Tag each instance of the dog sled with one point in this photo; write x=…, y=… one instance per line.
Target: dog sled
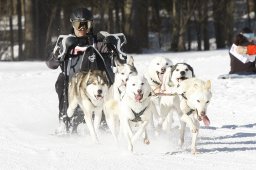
x=91, y=59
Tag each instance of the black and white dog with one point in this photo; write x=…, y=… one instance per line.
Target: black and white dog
x=169, y=103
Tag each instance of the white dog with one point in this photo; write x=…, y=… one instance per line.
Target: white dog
x=88, y=90
x=171, y=102
x=154, y=75
x=122, y=74
x=195, y=95
x=155, y=72
x=134, y=108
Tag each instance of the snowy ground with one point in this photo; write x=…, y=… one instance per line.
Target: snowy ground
x=29, y=116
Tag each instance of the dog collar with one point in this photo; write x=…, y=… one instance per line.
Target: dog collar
x=190, y=112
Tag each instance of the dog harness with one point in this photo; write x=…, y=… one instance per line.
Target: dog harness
x=156, y=82
x=137, y=115
x=191, y=110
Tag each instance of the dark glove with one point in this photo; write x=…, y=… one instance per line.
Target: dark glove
x=64, y=45
x=71, y=42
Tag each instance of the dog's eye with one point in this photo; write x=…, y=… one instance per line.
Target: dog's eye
x=177, y=70
x=142, y=84
x=167, y=64
x=157, y=63
x=130, y=73
x=208, y=101
x=186, y=69
x=198, y=101
x=122, y=73
x=133, y=84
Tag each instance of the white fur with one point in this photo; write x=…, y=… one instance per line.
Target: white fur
x=197, y=96
x=171, y=103
x=154, y=75
x=116, y=91
x=86, y=96
x=122, y=110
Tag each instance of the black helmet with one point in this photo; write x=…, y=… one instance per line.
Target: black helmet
x=81, y=14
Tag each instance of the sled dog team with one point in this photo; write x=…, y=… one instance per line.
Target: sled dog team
x=136, y=102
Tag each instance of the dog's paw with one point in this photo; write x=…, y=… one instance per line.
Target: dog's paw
x=193, y=151
x=181, y=142
x=146, y=141
x=194, y=129
x=130, y=148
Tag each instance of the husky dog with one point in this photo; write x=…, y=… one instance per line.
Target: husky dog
x=195, y=95
x=88, y=90
x=169, y=103
x=122, y=74
x=155, y=73
x=133, y=110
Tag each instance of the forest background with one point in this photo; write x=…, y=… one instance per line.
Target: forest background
x=32, y=26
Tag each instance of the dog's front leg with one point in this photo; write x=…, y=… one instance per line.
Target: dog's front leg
x=140, y=131
x=88, y=120
x=72, y=106
x=194, y=138
x=185, y=109
x=145, y=138
x=127, y=133
x=97, y=119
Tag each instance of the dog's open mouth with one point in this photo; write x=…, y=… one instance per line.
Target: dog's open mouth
x=98, y=96
x=181, y=79
x=205, y=120
x=160, y=75
x=138, y=97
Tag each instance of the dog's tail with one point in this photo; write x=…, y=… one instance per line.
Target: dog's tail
x=111, y=107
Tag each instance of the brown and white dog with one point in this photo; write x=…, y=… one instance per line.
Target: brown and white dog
x=88, y=90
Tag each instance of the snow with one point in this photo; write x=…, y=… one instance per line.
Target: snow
x=29, y=117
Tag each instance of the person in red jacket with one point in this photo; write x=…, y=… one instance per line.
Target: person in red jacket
x=242, y=53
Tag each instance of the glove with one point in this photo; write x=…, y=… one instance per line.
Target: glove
x=64, y=44
x=71, y=42
x=251, y=49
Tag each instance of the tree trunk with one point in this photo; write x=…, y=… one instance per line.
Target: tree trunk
x=20, y=32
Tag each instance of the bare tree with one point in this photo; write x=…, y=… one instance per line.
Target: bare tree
x=182, y=10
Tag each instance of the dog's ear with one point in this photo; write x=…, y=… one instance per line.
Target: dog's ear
x=130, y=60
x=191, y=68
x=208, y=84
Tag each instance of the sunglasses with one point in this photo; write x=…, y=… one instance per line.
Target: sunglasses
x=80, y=25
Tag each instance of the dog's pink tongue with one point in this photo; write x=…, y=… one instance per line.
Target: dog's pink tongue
x=138, y=97
x=205, y=120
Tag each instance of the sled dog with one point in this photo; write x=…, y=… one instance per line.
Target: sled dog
x=133, y=110
x=122, y=74
x=155, y=72
x=88, y=90
x=157, y=68
x=195, y=94
x=170, y=103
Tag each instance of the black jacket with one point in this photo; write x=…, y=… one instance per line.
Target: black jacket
x=99, y=58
